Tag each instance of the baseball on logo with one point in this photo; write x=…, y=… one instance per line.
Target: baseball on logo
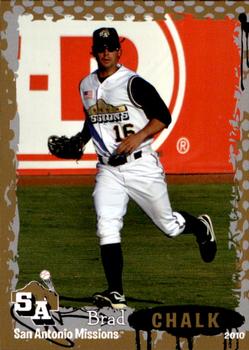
x=45, y=275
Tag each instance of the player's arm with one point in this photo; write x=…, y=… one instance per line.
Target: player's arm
x=145, y=96
x=85, y=134
x=132, y=142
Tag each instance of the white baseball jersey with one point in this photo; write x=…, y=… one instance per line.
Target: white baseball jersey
x=110, y=108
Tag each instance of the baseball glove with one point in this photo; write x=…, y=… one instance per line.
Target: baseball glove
x=65, y=147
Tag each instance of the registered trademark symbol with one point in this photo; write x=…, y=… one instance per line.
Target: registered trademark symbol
x=183, y=145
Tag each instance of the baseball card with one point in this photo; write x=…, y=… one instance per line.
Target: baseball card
x=124, y=175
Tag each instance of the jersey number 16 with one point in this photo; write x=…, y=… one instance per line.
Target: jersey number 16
x=122, y=131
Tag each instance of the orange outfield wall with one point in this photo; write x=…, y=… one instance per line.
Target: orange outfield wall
x=212, y=60
x=201, y=139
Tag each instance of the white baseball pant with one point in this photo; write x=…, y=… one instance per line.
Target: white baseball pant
x=142, y=180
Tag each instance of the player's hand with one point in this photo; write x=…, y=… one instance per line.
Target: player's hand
x=130, y=143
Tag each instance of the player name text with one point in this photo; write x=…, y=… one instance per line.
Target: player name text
x=95, y=319
x=185, y=320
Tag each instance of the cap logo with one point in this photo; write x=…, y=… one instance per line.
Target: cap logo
x=104, y=33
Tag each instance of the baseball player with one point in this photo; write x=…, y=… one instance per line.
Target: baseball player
x=123, y=113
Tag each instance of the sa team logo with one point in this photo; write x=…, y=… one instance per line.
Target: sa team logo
x=55, y=56
x=36, y=303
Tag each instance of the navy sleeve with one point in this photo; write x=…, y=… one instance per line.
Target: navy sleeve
x=85, y=132
x=145, y=96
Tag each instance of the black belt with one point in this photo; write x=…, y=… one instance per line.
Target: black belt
x=119, y=159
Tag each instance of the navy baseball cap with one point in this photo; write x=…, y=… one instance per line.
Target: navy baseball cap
x=105, y=38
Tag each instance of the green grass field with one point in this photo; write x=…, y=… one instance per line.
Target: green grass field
x=57, y=232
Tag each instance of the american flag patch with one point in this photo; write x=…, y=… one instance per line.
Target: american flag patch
x=88, y=94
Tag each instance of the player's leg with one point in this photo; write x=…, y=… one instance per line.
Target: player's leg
x=152, y=196
x=202, y=228
x=146, y=185
x=110, y=200
x=150, y=192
